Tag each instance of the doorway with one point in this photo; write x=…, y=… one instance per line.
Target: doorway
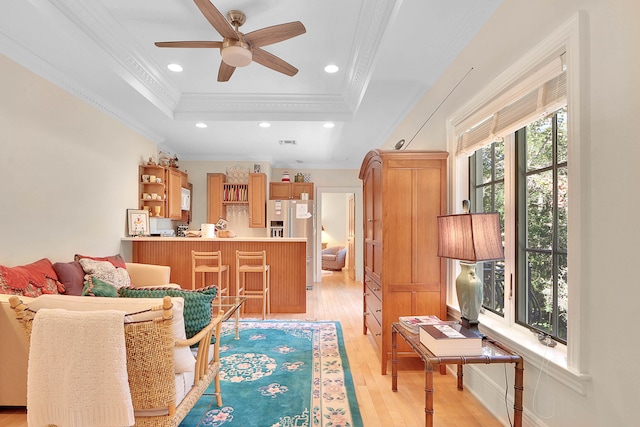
x=339, y=210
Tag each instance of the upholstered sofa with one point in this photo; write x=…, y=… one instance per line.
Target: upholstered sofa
x=180, y=374
x=15, y=348
x=333, y=258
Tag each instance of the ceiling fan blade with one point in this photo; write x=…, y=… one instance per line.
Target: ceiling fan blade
x=202, y=44
x=225, y=72
x=269, y=60
x=274, y=34
x=216, y=19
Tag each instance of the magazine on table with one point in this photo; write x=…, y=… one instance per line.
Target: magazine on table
x=413, y=323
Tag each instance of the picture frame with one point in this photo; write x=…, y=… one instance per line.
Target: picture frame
x=138, y=222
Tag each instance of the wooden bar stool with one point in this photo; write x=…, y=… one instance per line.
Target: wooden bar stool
x=212, y=264
x=253, y=262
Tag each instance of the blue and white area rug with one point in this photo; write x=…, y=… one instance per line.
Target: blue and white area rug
x=281, y=374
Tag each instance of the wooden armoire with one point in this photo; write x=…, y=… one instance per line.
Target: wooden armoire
x=404, y=192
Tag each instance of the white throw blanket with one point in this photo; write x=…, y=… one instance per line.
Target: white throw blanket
x=77, y=373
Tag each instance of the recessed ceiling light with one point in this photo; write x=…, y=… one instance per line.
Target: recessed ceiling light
x=201, y=125
x=328, y=125
x=175, y=67
x=265, y=124
x=331, y=68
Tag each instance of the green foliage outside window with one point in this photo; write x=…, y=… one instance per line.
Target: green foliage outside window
x=542, y=237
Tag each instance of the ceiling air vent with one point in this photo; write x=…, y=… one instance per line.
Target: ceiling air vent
x=287, y=142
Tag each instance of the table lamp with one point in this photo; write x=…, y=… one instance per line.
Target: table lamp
x=470, y=238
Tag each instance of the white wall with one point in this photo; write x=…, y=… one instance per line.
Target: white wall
x=609, y=177
x=68, y=172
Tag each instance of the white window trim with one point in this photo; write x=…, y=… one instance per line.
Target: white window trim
x=566, y=363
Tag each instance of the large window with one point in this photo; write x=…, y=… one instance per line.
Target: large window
x=542, y=225
x=540, y=177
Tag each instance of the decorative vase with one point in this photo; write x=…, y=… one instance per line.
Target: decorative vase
x=286, y=177
x=469, y=292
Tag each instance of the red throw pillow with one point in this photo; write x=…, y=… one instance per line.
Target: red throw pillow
x=116, y=260
x=30, y=280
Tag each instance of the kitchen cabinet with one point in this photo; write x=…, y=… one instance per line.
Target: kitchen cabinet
x=153, y=196
x=174, y=194
x=404, y=192
x=289, y=190
x=220, y=194
x=257, y=200
x=215, y=208
x=160, y=190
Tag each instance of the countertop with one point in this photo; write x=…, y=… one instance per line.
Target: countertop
x=222, y=239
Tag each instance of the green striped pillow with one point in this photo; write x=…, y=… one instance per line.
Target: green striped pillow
x=197, y=304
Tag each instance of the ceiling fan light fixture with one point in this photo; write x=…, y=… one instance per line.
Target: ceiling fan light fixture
x=236, y=53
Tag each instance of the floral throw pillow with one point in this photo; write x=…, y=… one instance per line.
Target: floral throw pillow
x=116, y=259
x=106, y=272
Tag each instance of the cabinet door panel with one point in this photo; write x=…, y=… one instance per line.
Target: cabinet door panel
x=428, y=270
x=257, y=200
x=377, y=268
x=302, y=187
x=376, y=175
x=279, y=191
x=368, y=256
x=174, y=192
x=368, y=207
x=400, y=239
x=215, y=208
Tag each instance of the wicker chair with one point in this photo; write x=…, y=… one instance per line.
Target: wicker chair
x=150, y=364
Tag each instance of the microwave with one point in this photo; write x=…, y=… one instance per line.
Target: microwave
x=185, y=199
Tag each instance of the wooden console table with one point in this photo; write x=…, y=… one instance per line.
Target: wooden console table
x=492, y=352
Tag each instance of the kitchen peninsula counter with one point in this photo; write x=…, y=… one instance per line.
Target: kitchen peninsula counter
x=285, y=256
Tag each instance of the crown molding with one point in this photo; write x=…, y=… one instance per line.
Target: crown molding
x=45, y=70
x=127, y=59
x=377, y=15
x=195, y=106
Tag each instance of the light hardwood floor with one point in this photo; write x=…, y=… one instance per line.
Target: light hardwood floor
x=338, y=298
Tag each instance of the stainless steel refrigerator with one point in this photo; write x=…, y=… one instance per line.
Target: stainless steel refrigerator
x=295, y=218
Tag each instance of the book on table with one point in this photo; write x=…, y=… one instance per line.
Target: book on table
x=450, y=340
x=413, y=323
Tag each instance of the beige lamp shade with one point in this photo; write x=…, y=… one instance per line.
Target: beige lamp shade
x=470, y=237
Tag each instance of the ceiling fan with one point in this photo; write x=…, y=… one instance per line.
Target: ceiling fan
x=238, y=49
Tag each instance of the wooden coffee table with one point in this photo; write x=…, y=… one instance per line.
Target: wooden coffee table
x=492, y=352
